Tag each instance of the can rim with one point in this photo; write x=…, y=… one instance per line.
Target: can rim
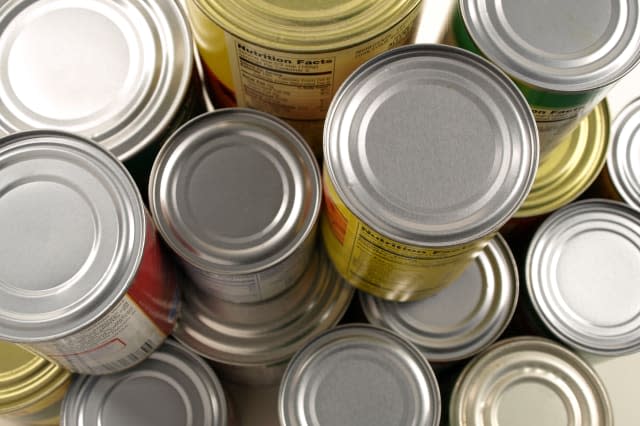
x=623, y=170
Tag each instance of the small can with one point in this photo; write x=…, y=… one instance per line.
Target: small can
x=529, y=378
x=84, y=281
x=236, y=194
x=31, y=388
x=563, y=56
x=359, y=375
x=413, y=191
x=582, y=271
x=172, y=387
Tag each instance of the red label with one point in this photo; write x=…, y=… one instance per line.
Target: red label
x=337, y=221
x=221, y=95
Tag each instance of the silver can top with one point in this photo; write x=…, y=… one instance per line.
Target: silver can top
x=464, y=317
x=582, y=272
x=567, y=45
x=623, y=160
x=431, y=145
x=172, y=387
x=235, y=191
x=359, y=375
x=113, y=71
x=529, y=382
x=73, y=231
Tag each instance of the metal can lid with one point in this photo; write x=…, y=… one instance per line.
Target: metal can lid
x=528, y=381
x=359, y=375
x=566, y=46
x=114, y=72
x=235, y=191
x=464, y=317
x=624, y=154
x=171, y=387
x=431, y=145
x=71, y=209
x=582, y=272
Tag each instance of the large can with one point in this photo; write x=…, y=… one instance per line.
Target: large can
x=289, y=57
x=564, y=56
x=83, y=279
x=429, y=149
x=236, y=194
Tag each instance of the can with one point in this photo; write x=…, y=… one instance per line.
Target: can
x=31, y=388
x=359, y=375
x=412, y=192
x=84, y=279
x=252, y=343
x=172, y=387
x=529, y=378
x=564, y=57
x=289, y=58
x=236, y=195
x=582, y=270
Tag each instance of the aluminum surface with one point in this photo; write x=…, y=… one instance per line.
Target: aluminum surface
x=624, y=154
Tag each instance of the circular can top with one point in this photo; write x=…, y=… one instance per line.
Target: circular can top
x=171, y=387
x=113, y=71
x=73, y=231
x=528, y=381
x=559, y=45
x=624, y=154
x=235, y=191
x=464, y=317
x=431, y=145
x=582, y=272
x=359, y=375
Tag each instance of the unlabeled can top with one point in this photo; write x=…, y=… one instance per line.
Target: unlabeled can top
x=113, y=71
x=624, y=154
x=235, y=191
x=529, y=382
x=431, y=145
x=172, y=387
x=464, y=317
x=73, y=231
x=582, y=274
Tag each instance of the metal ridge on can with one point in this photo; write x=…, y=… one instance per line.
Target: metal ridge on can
x=624, y=152
x=582, y=270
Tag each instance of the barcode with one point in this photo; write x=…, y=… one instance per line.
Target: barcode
x=131, y=359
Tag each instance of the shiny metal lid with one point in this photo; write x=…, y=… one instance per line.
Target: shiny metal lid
x=235, y=191
x=359, y=375
x=113, y=71
x=464, y=317
x=431, y=145
x=171, y=387
x=582, y=272
x=528, y=381
x=624, y=154
x=73, y=229
x=566, y=46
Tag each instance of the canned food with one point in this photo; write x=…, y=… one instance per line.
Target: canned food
x=172, y=387
x=252, y=343
x=289, y=57
x=83, y=280
x=564, y=56
x=359, y=375
x=461, y=319
x=413, y=191
x=582, y=272
x=236, y=194
x=31, y=388
x=527, y=380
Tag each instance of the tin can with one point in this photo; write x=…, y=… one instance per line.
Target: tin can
x=563, y=56
x=359, y=375
x=289, y=57
x=412, y=191
x=236, y=194
x=529, y=378
x=84, y=280
x=252, y=343
x=582, y=271
x=31, y=388
x=172, y=387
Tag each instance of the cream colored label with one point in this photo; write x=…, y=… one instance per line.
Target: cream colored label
x=554, y=124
